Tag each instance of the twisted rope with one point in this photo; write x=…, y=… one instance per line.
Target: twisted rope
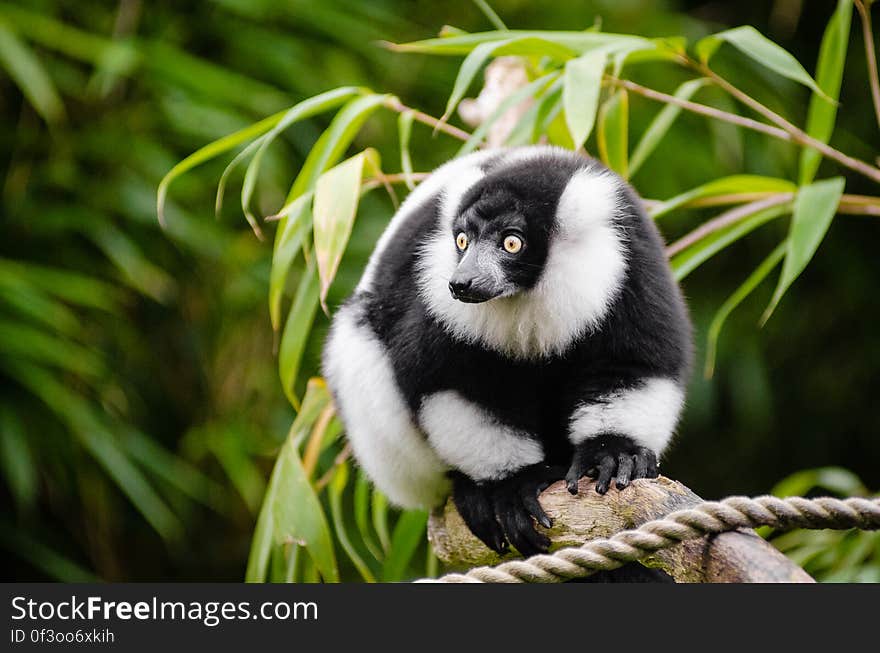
x=708, y=518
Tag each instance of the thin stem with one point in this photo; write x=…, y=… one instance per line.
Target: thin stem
x=396, y=105
x=725, y=220
x=796, y=134
x=702, y=109
x=494, y=18
x=849, y=205
x=870, y=55
x=341, y=457
x=400, y=178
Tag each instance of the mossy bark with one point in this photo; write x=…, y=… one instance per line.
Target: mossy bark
x=736, y=557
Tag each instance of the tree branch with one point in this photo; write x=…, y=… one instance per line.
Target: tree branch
x=870, y=55
x=395, y=104
x=726, y=219
x=737, y=556
x=789, y=133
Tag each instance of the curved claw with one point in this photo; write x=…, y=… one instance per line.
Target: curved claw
x=610, y=458
x=475, y=507
x=502, y=512
x=518, y=526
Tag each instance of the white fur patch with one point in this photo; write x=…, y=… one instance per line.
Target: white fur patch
x=648, y=414
x=471, y=440
x=386, y=442
x=583, y=273
x=452, y=179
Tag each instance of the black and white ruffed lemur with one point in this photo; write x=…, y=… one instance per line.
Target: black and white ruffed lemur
x=517, y=319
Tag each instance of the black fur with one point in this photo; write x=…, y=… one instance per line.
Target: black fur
x=646, y=333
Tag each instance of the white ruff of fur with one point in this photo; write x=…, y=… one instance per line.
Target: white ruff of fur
x=472, y=441
x=467, y=167
x=378, y=423
x=584, y=271
x=647, y=414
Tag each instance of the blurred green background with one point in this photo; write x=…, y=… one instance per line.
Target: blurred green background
x=141, y=409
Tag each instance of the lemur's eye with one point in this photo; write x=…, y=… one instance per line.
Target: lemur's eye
x=461, y=241
x=512, y=244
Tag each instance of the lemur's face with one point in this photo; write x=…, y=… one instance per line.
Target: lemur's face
x=502, y=247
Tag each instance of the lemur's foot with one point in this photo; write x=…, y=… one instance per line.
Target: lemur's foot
x=610, y=457
x=501, y=512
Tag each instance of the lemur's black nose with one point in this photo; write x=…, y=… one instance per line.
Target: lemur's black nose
x=458, y=287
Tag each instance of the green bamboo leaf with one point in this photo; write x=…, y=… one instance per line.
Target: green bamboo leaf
x=404, y=131
x=334, y=141
x=136, y=269
x=725, y=186
x=838, y=480
x=297, y=329
x=748, y=286
x=814, y=208
x=580, y=94
x=409, y=532
x=97, y=439
x=690, y=259
x=380, y=519
x=67, y=285
x=301, y=111
x=661, y=123
x=297, y=515
x=337, y=194
x=37, y=306
x=550, y=120
x=758, y=47
x=173, y=470
x=230, y=450
x=829, y=75
x=210, y=151
x=30, y=76
x=264, y=535
x=38, y=346
x=529, y=127
x=471, y=65
x=314, y=402
x=613, y=132
x=577, y=42
x=335, y=489
x=246, y=152
x=289, y=240
x=362, y=515
x=50, y=562
x=17, y=459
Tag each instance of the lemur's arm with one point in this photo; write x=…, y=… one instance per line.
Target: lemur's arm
x=497, y=471
x=621, y=433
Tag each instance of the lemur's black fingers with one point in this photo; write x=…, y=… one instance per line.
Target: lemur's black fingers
x=577, y=471
x=624, y=470
x=488, y=531
x=529, y=496
x=640, y=469
x=517, y=524
x=607, y=465
x=475, y=508
x=521, y=532
x=653, y=470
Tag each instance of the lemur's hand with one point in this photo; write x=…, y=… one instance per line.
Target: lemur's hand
x=610, y=457
x=499, y=512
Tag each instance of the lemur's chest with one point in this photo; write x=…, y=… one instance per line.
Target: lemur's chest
x=526, y=395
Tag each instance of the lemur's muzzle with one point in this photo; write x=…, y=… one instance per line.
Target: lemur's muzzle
x=470, y=284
